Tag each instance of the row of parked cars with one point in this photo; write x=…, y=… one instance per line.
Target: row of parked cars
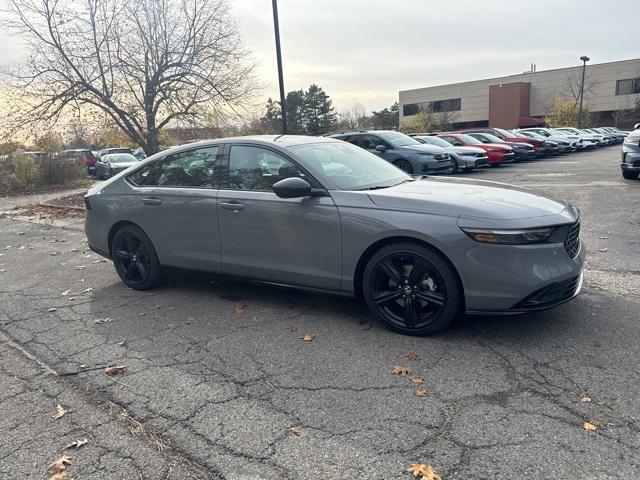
x=468, y=149
x=107, y=162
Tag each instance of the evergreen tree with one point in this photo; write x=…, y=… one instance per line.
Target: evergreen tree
x=319, y=115
x=295, y=104
x=387, y=118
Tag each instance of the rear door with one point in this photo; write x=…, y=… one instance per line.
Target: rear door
x=293, y=241
x=174, y=202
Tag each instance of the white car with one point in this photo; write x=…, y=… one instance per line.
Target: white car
x=588, y=139
x=575, y=142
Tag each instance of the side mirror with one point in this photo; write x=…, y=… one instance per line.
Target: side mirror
x=380, y=148
x=636, y=126
x=292, y=187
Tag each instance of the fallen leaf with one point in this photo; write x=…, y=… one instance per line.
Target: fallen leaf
x=603, y=238
x=308, y=337
x=66, y=292
x=297, y=431
x=115, y=370
x=122, y=342
x=240, y=307
x=400, y=370
x=604, y=250
x=426, y=472
x=422, y=392
x=2, y=271
x=87, y=290
x=76, y=444
x=413, y=356
x=60, y=412
x=418, y=380
x=292, y=328
x=60, y=465
x=589, y=426
x=52, y=309
x=585, y=398
x=152, y=294
x=100, y=321
x=61, y=476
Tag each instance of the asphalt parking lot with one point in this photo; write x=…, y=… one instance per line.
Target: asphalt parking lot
x=217, y=374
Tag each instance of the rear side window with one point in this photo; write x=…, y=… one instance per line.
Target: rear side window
x=192, y=168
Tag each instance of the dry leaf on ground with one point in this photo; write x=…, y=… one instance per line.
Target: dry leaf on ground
x=413, y=356
x=60, y=412
x=591, y=427
x=425, y=472
x=52, y=309
x=240, y=307
x=61, y=476
x=115, y=370
x=401, y=370
x=76, y=444
x=585, y=398
x=60, y=464
x=292, y=328
x=87, y=290
x=100, y=321
x=66, y=292
x=120, y=344
x=422, y=392
x=308, y=337
x=297, y=431
x=418, y=380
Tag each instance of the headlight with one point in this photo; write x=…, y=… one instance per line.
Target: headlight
x=509, y=237
x=426, y=155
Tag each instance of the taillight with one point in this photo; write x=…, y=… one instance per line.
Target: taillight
x=87, y=203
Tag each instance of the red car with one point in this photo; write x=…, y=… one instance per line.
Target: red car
x=497, y=153
x=507, y=136
x=83, y=156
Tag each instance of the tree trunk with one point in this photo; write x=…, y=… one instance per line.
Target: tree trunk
x=153, y=142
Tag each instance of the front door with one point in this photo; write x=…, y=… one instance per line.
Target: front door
x=175, y=204
x=293, y=241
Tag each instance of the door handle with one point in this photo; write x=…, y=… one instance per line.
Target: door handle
x=151, y=201
x=233, y=206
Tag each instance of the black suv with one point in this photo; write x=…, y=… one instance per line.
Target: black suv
x=404, y=152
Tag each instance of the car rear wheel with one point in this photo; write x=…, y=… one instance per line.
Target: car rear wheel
x=135, y=258
x=454, y=165
x=404, y=165
x=630, y=175
x=411, y=289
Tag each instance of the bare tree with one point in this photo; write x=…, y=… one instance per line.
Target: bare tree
x=571, y=87
x=145, y=64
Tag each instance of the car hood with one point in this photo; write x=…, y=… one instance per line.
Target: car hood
x=475, y=201
x=453, y=149
x=424, y=148
x=499, y=146
x=121, y=166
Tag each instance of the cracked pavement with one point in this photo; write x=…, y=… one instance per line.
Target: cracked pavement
x=218, y=391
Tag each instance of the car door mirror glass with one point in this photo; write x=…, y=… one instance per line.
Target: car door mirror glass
x=292, y=187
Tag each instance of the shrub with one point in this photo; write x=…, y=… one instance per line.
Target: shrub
x=25, y=169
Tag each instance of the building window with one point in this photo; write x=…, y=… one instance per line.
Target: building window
x=450, y=105
x=628, y=86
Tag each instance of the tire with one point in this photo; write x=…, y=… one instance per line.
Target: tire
x=404, y=166
x=135, y=258
x=434, y=299
x=455, y=166
x=630, y=175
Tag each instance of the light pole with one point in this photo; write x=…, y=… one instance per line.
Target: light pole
x=584, y=59
x=276, y=27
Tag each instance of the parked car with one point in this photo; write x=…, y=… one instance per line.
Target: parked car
x=108, y=151
x=589, y=140
x=522, y=151
x=83, y=156
x=566, y=142
x=114, y=163
x=139, y=153
x=320, y=214
x=605, y=139
x=616, y=137
x=631, y=155
x=404, y=152
x=509, y=137
x=564, y=145
x=496, y=154
x=464, y=159
x=550, y=148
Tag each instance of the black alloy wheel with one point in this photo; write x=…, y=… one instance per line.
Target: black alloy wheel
x=135, y=258
x=411, y=289
x=404, y=165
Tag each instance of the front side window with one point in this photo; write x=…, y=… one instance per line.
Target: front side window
x=192, y=168
x=257, y=168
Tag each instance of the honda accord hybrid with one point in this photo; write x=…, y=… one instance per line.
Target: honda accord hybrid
x=325, y=215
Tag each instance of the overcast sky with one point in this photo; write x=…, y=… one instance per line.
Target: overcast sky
x=367, y=50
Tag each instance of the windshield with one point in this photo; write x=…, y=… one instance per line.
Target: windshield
x=468, y=139
x=121, y=158
x=534, y=135
x=349, y=167
x=503, y=132
x=519, y=135
x=436, y=141
x=493, y=138
x=397, y=139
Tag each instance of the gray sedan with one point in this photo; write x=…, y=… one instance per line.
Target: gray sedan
x=464, y=159
x=324, y=215
x=113, y=163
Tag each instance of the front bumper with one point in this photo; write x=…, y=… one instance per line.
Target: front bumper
x=630, y=158
x=523, y=155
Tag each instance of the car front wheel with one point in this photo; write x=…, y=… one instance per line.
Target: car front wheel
x=404, y=165
x=411, y=289
x=135, y=258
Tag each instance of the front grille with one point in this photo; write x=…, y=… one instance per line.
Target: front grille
x=550, y=295
x=572, y=242
x=441, y=156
